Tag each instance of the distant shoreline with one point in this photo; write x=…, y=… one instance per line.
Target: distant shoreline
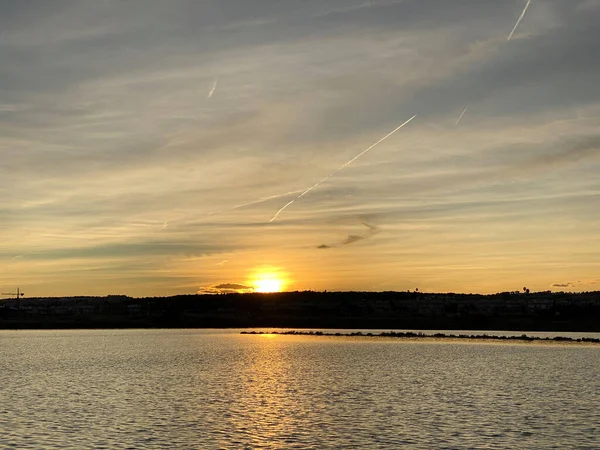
x=419, y=335
x=511, y=311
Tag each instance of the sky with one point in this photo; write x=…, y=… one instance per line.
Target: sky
x=146, y=146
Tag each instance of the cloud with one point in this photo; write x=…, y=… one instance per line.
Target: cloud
x=225, y=288
x=572, y=284
x=231, y=286
x=584, y=148
x=372, y=231
x=563, y=285
x=128, y=249
x=9, y=108
x=358, y=7
x=352, y=238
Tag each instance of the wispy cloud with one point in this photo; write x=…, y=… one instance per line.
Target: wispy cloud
x=563, y=285
x=10, y=108
x=352, y=238
x=579, y=284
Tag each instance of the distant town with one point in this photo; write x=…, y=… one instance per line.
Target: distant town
x=527, y=311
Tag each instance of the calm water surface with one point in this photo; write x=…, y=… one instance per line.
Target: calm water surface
x=219, y=389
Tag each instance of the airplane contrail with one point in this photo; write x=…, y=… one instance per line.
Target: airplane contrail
x=507, y=39
x=254, y=202
x=462, y=114
x=264, y=199
x=518, y=21
x=212, y=91
x=376, y=143
x=343, y=166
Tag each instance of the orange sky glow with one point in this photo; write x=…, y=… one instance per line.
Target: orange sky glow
x=214, y=146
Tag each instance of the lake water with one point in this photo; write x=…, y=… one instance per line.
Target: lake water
x=213, y=389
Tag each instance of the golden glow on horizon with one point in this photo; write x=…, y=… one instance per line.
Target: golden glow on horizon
x=268, y=281
x=268, y=285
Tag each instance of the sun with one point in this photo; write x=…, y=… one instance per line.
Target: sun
x=268, y=285
x=268, y=279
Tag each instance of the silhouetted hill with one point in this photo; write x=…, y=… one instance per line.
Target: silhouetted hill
x=543, y=311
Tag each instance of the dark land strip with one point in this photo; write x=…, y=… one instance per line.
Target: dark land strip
x=516, y=311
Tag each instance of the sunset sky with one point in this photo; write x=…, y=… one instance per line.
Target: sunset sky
x=146, y=145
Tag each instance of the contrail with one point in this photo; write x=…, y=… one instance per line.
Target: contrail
x=376, y=143
x=462, y=114
x=343, y=166
x=254, y=202
x=264, y=199
x=281, y=210
x=212, y=91
x=507, y=39
x=518, y=20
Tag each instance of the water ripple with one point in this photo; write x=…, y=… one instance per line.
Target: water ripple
x=157, y=389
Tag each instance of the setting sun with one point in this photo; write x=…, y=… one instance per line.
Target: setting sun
x=268, y=279
x=268, y=285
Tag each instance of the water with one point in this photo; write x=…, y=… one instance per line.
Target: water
x=157, y=389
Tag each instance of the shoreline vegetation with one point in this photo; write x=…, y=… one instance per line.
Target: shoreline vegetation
x=419, y=335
